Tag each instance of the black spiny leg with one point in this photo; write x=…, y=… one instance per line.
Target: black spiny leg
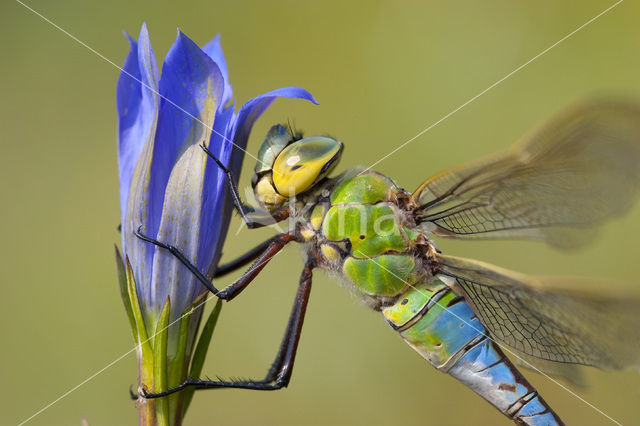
x=274, y=245
x=242, y=208
x=280, y=372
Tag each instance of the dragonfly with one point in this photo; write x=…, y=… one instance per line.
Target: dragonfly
x=577, y=170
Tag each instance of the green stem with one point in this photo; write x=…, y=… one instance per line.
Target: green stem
x=165, y=352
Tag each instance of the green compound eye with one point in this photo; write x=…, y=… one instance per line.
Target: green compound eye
x=276, y=140
x=303, y=163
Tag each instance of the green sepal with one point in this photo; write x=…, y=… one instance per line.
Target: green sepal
x=124, y=292
x=200, y=353
x=160, y=364
x=145, y=353
x=141, y=331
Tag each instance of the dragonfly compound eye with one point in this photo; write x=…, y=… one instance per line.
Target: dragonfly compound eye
x=305, y=162
x=276, y=140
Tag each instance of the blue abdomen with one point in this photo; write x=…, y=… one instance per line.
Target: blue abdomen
x=442, y=327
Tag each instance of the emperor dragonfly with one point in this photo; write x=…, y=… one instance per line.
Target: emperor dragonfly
x=576, y=171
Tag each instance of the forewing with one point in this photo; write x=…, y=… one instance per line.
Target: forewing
x=545, y=322
x=574, y=172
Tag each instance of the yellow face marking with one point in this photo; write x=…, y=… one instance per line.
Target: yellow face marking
x=330, y=253
x=302, y=163
x=266, y=193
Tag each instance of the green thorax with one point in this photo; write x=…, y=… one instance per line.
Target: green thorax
x=363, y=233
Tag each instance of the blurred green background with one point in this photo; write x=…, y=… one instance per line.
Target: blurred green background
x=382, y=71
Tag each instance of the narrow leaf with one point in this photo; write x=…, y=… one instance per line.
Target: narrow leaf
x=160, y=364
x=200, y=352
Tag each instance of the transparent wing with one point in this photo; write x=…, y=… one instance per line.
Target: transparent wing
x=543, y=321
x=576, y=171
x=570, y=373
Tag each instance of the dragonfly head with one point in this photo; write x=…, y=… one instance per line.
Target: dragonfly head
x=289, y=165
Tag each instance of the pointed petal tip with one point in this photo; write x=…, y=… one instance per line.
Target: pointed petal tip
x=143, y=38
x=184, y=40
x=182, y=36
x=215, y=41
x=313, y=100
x=144, y=32
x=131, y=40
x=300, y=93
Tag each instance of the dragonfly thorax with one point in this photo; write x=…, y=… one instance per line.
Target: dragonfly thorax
x=363, y=231
x=289, y=165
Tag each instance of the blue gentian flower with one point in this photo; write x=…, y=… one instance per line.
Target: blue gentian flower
x=171, y=189
x=167, y=184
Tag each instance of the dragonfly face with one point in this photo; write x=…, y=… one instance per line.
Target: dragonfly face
x=578, y=170
x=288, y=166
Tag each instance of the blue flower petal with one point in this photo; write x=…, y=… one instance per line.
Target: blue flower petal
x=168, y=185
x=137, y=110
x=214, y=50
x=128, y=98
x=180, y=227
x=216, y=199
x=137, y=189
x=193, y=87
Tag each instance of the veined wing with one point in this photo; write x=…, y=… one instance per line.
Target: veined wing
x=545, y=322
x=575, y=171
x=570, y=373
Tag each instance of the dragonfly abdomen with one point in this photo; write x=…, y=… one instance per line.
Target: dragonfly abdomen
x=440, y=326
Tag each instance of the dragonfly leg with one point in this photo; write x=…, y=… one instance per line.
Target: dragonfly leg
x=256, y=267
x=243, y=259
x=242, y=208
x=280, y=372
x=274, y=245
